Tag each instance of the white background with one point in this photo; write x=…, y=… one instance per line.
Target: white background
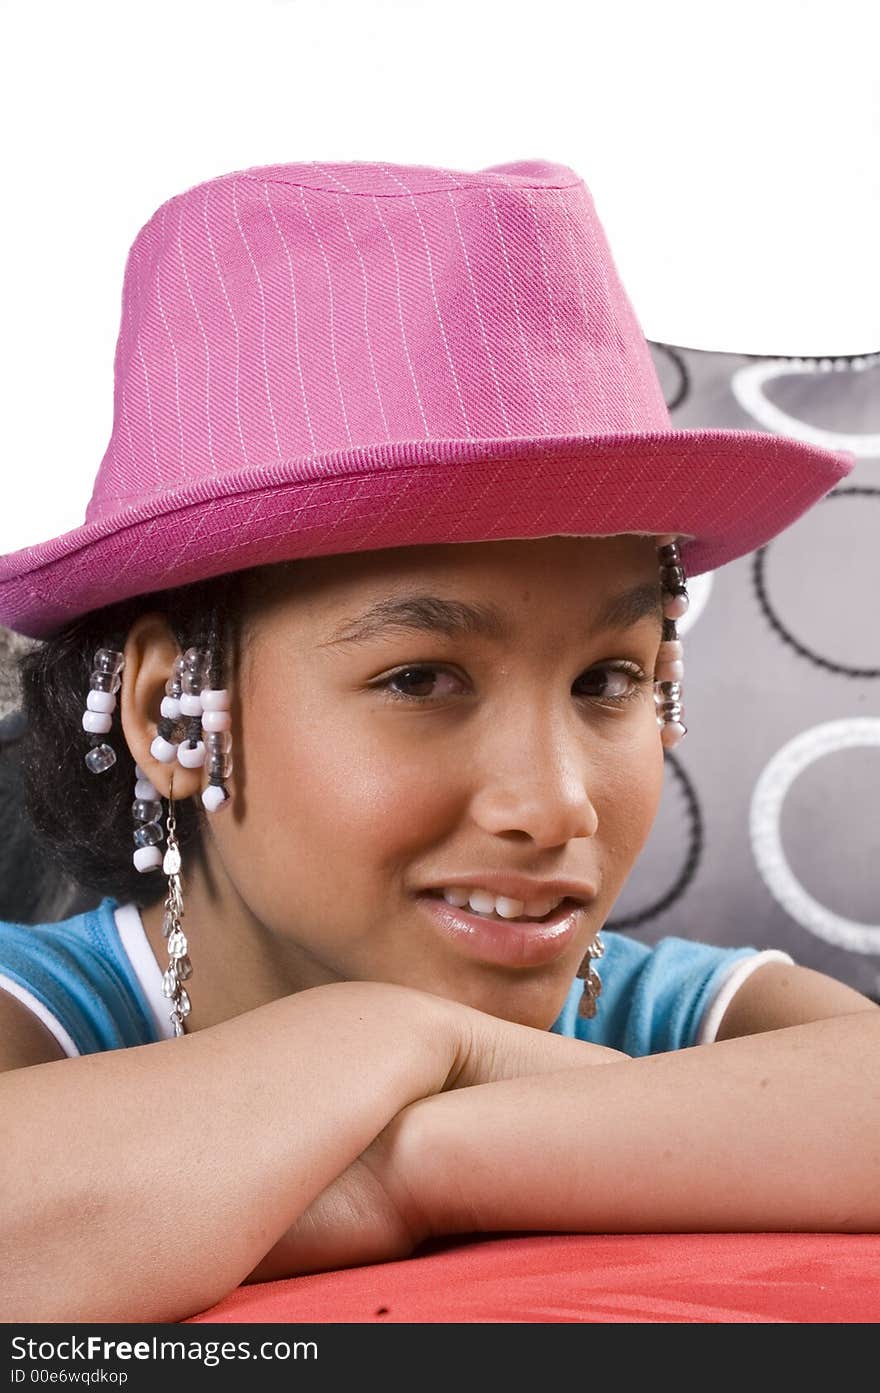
x=731, y=149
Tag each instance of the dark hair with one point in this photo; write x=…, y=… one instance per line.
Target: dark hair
x=66, y=832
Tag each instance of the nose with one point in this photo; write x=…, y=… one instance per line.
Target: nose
x=539, y=788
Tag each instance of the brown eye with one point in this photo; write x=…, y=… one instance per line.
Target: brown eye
x=410, y=678
x=625, y=682
x=617, y=683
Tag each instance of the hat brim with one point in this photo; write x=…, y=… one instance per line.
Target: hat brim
x=727, y=491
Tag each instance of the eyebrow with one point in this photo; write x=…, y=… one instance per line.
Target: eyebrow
x=457, y=618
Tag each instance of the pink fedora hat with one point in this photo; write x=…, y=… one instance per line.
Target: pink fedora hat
x=324, y=358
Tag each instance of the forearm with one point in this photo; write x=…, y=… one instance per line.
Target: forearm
x=195, y=1154
x=765, y=1132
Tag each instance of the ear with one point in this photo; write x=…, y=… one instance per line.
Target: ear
x=150, y=653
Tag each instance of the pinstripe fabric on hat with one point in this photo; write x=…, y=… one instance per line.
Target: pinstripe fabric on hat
x=321, y=358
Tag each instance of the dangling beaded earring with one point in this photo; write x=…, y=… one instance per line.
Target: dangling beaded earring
x=667, y=696
x=100, y=705
x=670, y=666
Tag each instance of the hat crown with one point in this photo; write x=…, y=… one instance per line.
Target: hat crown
x=284, y=312
x=316, y=359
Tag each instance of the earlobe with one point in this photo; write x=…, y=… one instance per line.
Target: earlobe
x=150, y=654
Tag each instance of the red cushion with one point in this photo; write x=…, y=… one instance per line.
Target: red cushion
x=588, y=1277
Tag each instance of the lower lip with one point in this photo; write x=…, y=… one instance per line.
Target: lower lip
x=511, y=942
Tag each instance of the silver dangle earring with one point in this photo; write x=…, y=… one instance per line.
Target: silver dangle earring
x=179, y=967
x=100, y=705
x=589, y=1002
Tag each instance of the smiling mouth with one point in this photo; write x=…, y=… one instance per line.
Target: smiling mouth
x=564, y=907
x=519, y=943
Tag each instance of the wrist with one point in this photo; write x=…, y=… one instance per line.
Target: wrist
x=418, y=1169
x=412, y=1031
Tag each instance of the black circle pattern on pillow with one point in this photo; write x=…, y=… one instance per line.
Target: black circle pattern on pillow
x=694, y=818
x=758, y=581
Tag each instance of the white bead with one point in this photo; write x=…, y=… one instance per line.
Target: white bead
x=190, y=705
x=213, y=798
x=672, y=671
x=170, y=707
x=215, y=699
x=146, y=857
x=670, y=650
x=216, y=720
x=672, y=734
x=97, y=722
x=144, y=789
x=163, y=750
x=101, y=701
x=665, y=539
x=190, y=757
x=674, y=606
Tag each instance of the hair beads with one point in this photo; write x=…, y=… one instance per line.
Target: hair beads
x=191, y=750
x=164, y=746
x=148, y=832
x=670, y=666
x=216, y=722
x=191, y=701
x=100, y=705
x=207, y=714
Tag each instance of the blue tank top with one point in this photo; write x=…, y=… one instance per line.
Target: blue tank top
x=78, y=976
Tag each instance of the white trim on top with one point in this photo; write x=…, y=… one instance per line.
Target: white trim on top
x=41, y=1012
x=728, y=987
x=131, y=930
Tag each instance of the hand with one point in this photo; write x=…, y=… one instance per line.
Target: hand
x=369, y=1213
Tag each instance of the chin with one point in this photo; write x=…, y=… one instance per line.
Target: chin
x=536, y=1004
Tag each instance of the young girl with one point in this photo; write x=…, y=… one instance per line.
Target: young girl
x=378, y=590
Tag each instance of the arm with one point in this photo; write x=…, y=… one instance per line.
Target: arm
x=770, y=1131
x=194, y=1154
x=380, y=1209
x=365, y=1214
x=780, y=994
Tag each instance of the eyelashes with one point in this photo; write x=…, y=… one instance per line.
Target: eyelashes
x=413, y=674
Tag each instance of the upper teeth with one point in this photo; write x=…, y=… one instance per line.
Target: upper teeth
x=483, y=902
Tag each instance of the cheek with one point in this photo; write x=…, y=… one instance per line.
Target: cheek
x=628, y=795
x=334, y=805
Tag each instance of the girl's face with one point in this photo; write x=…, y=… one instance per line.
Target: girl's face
x=374, y=760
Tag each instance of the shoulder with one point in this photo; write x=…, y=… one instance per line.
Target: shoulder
x=783, y=993
x=659, y=997
x=74, y=976
x=25, y=1038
